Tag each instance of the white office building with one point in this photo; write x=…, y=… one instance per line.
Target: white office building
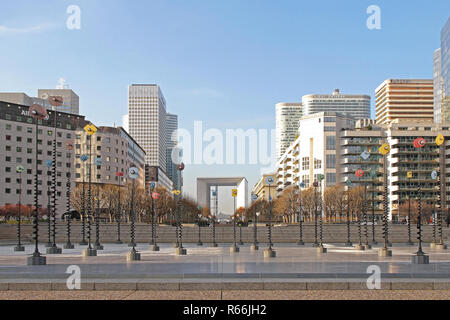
x=287, y=115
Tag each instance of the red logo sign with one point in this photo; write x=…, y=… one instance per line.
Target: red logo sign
x=419, y=142
x=359, y=173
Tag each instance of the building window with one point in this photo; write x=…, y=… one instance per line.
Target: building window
x=331, y=142
x=331, y=161
x=331, y=178
x=317, y=164
x=305, y=163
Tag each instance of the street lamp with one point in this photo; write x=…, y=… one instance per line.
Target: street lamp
x=420, y=257
x=19, y=247
x=199, y=243
x=254, y=245
x=90, y=129
x=269, y=252
x=300, y=215
x=213, y=219
x=98, y=246
x=241, y=219
x=316, y=204
x=83, y=241
x=234, y=248
x=48, y=164
x=320, y=247
x=348, y=183
x=442, y=190
x=54, y=101
x=154, y=197
x=359, y=173
x=133, y=255
x=180, y=250
x=384, y=251
x=38, y=113
x=409, y=175
x=373, y=175
x=119, y=174
x=68, y=245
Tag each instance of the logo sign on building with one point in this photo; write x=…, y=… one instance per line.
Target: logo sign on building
x=55, y=101
x=384, y=149
x=359, y=173
x=434, y=174
x=84, y=157
x=365, y=155
x=37, y=112
x=155, y=195
x=440, y=139
x=133, y=173
x=419, y=143
x=234, y=192
x=254, y=197
x=90, y=129
x=409, y=174
x=269, y=180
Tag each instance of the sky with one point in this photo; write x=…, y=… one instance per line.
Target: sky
x=225, y=63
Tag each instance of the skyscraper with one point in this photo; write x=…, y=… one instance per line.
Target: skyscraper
x=404, y=99
x=287, y=115
x=71, y=101
x=442, y=77
x=172, y=172
x=147, y=125
x=357, y=106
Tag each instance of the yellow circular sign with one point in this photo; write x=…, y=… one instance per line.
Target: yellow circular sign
x=90, y=129
x=440, y=139
x=384, y=149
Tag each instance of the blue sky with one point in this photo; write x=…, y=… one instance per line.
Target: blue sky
x=226, y=63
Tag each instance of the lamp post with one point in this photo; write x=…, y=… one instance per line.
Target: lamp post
x=442, y=191
x=48, y=164
x=90, y=129
x=83, y=241
x=254, y=245
x=373, y=175
x=199, y=243
x=420, y=257
x=241, y=219
x=348, y=183
x=359, y=173
x=180, y=250
x=213, y=219
x=234, y=248
x=54, y=101
x=68, y=245
x=409, y=175
x=152, y=186
x=154, y=197
x=269, y=252
x=300, y=215
x=19, y=247
x=320, y=247
x=133, y=255
x=38, y=113
x=316, y=204
x=119, y=174
x=384, y=251
x=98, y=246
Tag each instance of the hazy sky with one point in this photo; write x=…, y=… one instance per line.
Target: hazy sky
x=226, y=63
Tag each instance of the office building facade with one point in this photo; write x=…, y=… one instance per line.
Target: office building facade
x=356, y=106
x=287, y=115
x=404, y=99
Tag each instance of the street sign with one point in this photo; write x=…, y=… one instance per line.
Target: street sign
x=348, y=183
x=384, y=149
x=373, y=174
x=152, y=185
x=409, y=174
x=434, y=174
x=199, y=207
x=84, y=157
x=359, y=173
x=98, y=161
x=254, y=197
x=365, y=155
x=90, y=129
x=315, y=184
x=440, y=139
x=133, y=173
x=320, y=177
x=69, y=145
x=55, y=101
x=119, y=174
x=302, y=184
x=234, y=192
x=176, y=192
x=180, y=166
x=269, y=180
x=20, y=169
x=419, y=142
x=48, y=163
x=155, y=195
